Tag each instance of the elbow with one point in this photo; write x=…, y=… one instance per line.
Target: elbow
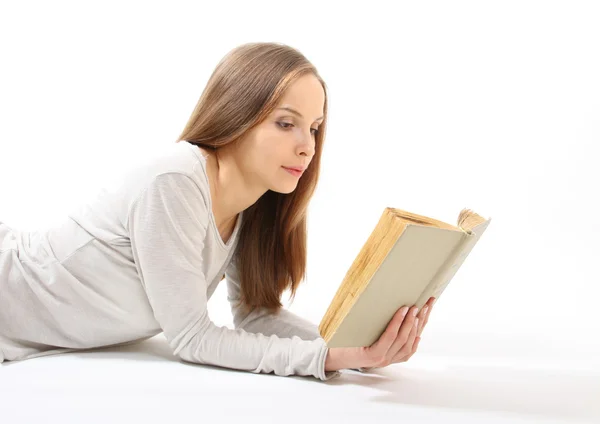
x=242, y=314
x=190, y=343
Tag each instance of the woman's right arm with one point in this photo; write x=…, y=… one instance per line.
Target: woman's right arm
x=167, y=225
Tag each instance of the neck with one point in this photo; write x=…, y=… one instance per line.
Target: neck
x=231, y=190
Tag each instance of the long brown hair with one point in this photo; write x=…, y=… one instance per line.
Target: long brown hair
x=242, y=91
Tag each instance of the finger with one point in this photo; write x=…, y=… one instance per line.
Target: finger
x=433, y=300
x=425, y=319
x=406, y=349
x=404, y=332
x=430, y=302
x=422, y=317
x=414, y=334
x=414, y=347
x=385, y=341
x=427, y=315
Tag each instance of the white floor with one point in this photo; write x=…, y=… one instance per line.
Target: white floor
x=145, y=383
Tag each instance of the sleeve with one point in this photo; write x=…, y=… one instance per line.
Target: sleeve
x=282, y=324
x=167, y=225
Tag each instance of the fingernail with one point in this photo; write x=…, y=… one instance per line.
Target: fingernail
x=415, y=311
x=404, y=310
x=425, y=309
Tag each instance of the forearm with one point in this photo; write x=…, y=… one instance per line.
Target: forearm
x=288, y=324
x=345, y=358
x=284, y=323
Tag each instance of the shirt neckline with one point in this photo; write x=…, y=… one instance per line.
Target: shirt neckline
x=212, y=219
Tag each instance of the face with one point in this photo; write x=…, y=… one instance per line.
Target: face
x=285, y=139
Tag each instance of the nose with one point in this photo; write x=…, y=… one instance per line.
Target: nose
x=306, y=146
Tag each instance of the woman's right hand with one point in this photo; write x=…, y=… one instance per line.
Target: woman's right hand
x=397, y=344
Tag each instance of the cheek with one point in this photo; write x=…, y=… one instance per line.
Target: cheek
x=271, y=149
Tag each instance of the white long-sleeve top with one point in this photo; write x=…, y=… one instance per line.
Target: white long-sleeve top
x=143, y=257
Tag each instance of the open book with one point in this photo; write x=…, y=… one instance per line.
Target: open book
x=407, y=259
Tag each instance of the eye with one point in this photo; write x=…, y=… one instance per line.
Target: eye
x=285, y=123
x=281, y=124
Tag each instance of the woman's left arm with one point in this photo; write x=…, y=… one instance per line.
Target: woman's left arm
x=282, y=324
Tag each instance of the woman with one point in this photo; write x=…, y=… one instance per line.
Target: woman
x=227, y=200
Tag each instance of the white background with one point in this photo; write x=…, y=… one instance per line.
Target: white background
x=433, y=106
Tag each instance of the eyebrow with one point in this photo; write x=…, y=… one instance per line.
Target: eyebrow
x=295, y=112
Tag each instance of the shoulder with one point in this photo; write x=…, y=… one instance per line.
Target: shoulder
x=170, y=201
x=176, y=164
x=176, y=158
x=172, y=174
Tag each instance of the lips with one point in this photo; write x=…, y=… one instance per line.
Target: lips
x=295, y=172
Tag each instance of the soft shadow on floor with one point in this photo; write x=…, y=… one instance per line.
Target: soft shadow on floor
x=543, y=393
x=153, y=349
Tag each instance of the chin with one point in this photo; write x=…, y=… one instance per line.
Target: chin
x=284, y=188
x=285, y=185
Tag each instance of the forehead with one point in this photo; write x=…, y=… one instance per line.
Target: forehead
x=306, y=95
